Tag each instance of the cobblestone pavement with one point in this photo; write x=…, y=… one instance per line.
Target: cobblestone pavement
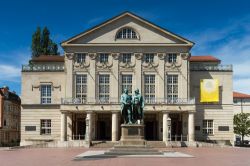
x=64, y=157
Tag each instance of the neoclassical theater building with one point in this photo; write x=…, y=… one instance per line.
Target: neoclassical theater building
x=77, y=96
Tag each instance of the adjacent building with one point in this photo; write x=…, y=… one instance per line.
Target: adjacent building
x=241, y=105
x=76, y=96
x=10, y=108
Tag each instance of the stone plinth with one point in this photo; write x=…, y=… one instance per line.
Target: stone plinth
x=132, y=134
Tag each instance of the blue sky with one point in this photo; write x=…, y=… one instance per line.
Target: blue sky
x=218, y=27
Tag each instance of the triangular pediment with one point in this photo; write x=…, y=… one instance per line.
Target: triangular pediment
x=106, y=32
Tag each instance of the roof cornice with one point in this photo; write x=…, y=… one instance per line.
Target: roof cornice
x=127, y=44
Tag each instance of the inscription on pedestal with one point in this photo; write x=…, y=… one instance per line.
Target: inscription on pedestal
x=133, y=131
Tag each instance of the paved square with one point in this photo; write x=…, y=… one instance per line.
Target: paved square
x=65, y=157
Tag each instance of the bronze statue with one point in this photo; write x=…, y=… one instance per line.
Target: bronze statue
x=126, y=107
x=132, y=107
x=138, y=105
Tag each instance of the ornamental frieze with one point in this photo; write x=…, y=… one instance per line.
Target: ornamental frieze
x=104, y=65
x=178, y=62
x=150, y=65
x=127, y=65
x=70, y=56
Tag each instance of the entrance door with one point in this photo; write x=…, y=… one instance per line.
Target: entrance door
x=176, y=127
x=104, y=127
x=80, y=129
x=149, y=130
x=151, y=127
x=102, y=134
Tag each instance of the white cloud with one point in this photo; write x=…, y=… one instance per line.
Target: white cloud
x=10, y=65
x=95, y=20
x=231, y=44
x=242, y=70
x=242, y=85
x=9, y=73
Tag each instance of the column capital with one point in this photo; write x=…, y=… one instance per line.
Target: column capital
x=165, y=112
x=89, y=112
x=115, y=111
x=63, y=111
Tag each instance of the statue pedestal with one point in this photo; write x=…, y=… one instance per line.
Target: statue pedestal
x=132, y=142
x=132, y=134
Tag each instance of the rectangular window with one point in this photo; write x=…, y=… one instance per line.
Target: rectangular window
x=45, y=126
x=45, y=94
x=208, y=127
x=172, y=88
x=126, y=58
x=149, y=88
x=149, y=57
x=80, y=57
x=172, y=58
x=104, y=88
x=127, y=83
x=81, y=87
x=104, y=57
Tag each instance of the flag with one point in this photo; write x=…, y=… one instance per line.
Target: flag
x=209, y=90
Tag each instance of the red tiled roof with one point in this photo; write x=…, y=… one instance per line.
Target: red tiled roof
x=240, y=95
x=48, y=58
x=207, y=58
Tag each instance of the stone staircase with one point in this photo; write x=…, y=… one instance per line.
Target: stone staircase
x=103, y=144
x=119, y=150
x=156, y=144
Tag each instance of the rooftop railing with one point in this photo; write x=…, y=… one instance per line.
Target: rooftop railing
x=82, y=101
x=42, y=68
x=206, y=67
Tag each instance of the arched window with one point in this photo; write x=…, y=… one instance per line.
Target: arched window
x=127, y=33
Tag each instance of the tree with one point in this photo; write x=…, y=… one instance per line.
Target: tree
x=45, y=41
x=36, y=46
x=242, y=125
x=42, y=44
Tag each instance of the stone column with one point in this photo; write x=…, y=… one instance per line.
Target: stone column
x=191, y=127
x=114, y=126
x=63, y=126
x=165, y=126
x=88, y=134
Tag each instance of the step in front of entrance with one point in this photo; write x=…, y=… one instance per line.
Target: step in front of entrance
x=156, y=144
x=103, y=144
x=133, y=150
x=110, y=144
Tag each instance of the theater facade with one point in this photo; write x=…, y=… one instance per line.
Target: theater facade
x=77, y=96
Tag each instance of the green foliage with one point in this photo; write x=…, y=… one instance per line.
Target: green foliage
x=242, y=124
x=42, y=44
x=36, y=46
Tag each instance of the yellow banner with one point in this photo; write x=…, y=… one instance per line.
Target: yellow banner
x=209, y=90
